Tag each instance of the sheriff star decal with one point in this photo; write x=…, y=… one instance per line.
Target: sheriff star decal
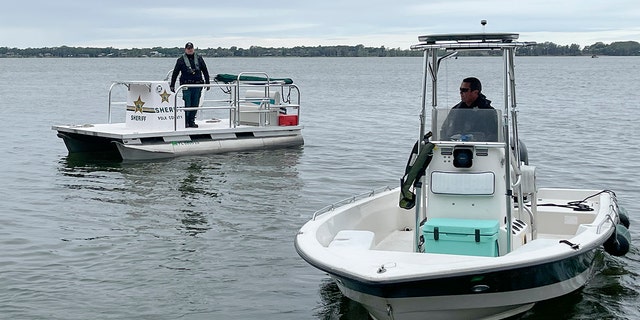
x=138, y=105
x=165, y=96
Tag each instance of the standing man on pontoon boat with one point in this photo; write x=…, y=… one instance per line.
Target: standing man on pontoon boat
x=191, y=68
x=481, y=125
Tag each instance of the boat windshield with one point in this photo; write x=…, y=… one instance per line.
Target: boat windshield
x=483, y=125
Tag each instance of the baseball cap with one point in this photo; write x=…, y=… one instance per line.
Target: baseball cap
x=189, y=45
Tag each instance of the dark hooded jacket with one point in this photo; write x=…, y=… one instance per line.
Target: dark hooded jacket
x=482, y=103
x=479, y=120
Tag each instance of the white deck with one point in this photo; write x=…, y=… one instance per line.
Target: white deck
x=397, y=241
x=121, y=131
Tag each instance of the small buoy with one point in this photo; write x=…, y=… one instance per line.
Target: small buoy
x=623, y=216
x=618, y=243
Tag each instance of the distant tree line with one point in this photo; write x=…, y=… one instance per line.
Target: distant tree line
x=624, y=48
x=253, y=51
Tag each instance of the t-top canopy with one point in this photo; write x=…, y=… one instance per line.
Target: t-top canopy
x=470, y=41
x=469, y=37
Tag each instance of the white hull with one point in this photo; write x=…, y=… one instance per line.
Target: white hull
x=168, y=150
x=440, y=308
x=418, y=285
x=472, y=306
x=209, y=138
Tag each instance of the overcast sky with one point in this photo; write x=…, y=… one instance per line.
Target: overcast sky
x=243, y=23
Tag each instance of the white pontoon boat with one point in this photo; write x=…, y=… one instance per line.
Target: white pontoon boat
x=256, y=112
x=468, y=234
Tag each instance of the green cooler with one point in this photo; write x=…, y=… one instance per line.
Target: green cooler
x=461, y=236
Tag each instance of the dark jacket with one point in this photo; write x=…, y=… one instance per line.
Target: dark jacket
x=481, y=124
x=190, y=74
x=482, y=103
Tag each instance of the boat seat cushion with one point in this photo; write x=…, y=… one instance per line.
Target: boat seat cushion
x=353, y=239
x=258, y=97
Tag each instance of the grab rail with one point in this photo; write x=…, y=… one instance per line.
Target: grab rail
x=613, y=214
x=288, y=103
x=608, y=218
x=200, y=107
x=349, y=200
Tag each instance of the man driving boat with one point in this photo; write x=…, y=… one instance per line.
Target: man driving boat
x=462, y=123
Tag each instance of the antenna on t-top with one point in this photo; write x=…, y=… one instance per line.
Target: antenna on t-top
x=483, y=23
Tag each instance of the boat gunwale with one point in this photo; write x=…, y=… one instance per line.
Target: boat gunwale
x=505, y=262
x=83, y=130
x=383, y=284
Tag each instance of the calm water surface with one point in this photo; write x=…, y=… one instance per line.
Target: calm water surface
x=211, y=237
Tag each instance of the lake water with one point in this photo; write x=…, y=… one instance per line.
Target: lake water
x=211, y=237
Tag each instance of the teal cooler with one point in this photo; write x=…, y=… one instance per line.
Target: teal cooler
x=461, y=236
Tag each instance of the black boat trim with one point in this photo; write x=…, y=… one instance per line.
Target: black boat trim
x=498, y=280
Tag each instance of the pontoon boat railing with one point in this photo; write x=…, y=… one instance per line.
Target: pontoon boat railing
x=289, y=98
x=230, y=106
